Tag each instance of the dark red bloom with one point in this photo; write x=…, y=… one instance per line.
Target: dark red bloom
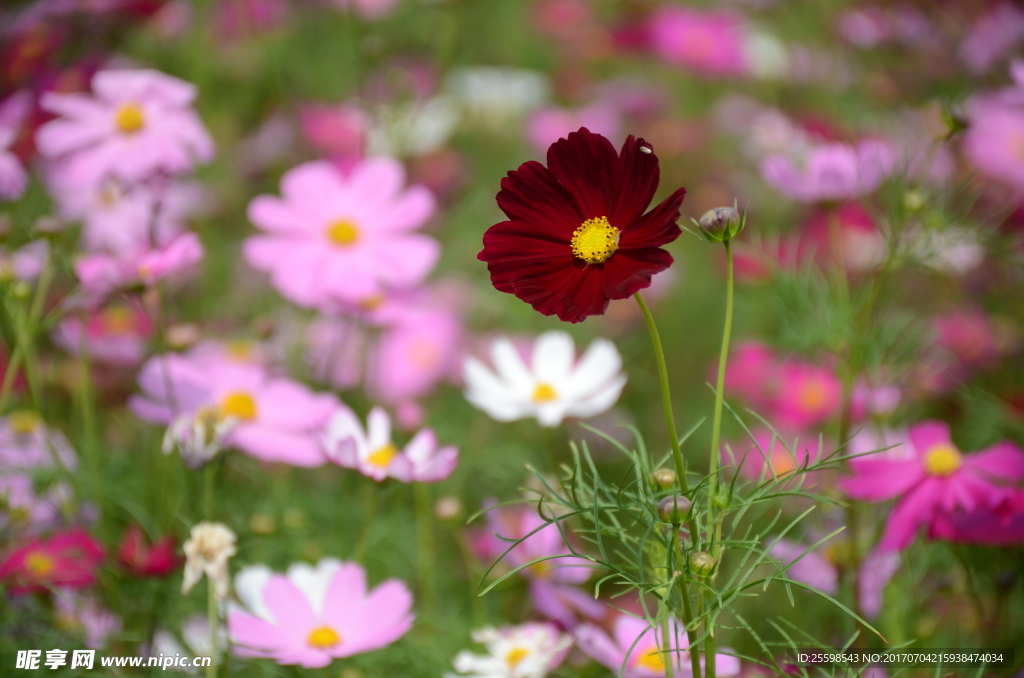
x=66, y=559
x=144, y=559
x=577, y=235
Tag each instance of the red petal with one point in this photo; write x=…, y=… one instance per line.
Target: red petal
x=533, y=195
x=637, y=180
x=629, y=271
x=657, y=227
x=510, y=245
x=586, y=164
x=566, y=287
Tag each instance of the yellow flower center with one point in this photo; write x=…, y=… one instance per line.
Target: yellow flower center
x=118, y=320
x=595, y=240
x=372, y=302
x=544, y=393
x=240, y=350
x=652, y=661
x=516, y=655
x=343, y=233
x=23, y=422
x=323, y=638
x=541, y=570
x=129, y=118
x=942, y=460
x=382, y=456
x=239, y=405
x=782, y=462
x=39, y=564
x=812, y=395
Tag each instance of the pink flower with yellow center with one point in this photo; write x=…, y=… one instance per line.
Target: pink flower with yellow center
x=335, y=239
x=276, y=419
x=68, y=559
x=315, y=614
x=936, y=478
x=635, y=649
x=136, y=123
x=373, y=453
x=115, y=335
x=808, y=395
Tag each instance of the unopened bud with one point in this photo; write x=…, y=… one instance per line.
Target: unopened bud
x=448, y=508
x=721, y=224
x=663, y=478
x=21, y=290
x=913, y=201
x=722, y=500
x=674, y=509
x=702, y=564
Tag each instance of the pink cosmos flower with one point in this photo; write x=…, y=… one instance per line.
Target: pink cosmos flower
x=26, y=262
x=68, y=559
x=137, y=123
x=706, y=42
x=84, y=616
x=26, y=509
x=371, y=10
x=768, y=457
x=276, y=419
x=115, y=335
x=992, y=37
x=336, y=239
x=547, y=125
x=831, y=172
x=373, y=453
x=938, y=477
x=846, y=236
x=1002, y=526
x=637, y=650
x=27, y=444
x=808, y=395
x=994, y=141
x=13, y=177
x=337, y=131
x=819, y=571
x=752, y=373
x=316, y=614
x=101, y=274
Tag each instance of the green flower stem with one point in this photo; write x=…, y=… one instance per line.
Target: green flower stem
x=209, y=480
x=684, y=593
x=213, y=619
x=90, y=448
x=425, y=547
x=716, y=426
x=668, y=650
x=371, y=513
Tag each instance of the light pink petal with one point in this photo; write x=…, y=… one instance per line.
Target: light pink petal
x=258, y=634
x=288, y=405
x=290, y=607
x=270, y=444
x=345, y=595
x=315, y=185
x=878, y=480
x=411, y=211
x=597, y=645
x=376, y=180
x=1003, y=461
x=273, y=214
x=386, y=617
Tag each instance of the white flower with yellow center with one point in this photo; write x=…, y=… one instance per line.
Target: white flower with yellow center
x=530, y=650
x=207, y=551
x=552, y=386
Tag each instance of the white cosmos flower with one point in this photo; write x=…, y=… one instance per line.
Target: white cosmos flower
x=552, y=386
x=530, y=650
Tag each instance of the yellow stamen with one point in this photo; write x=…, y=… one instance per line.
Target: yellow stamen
x=652, y=660
x=129, y=118
x=544, y=393
x=595, y=240
x=343, y=233
x=516, y=655
x=23, y=422
x=382, y=456
x=942, y=460
x=323, y=638
x=239, y=405
x=372, y=302
x=118, y=320
x=39, y=564
x=239, y=349
x=813, y=395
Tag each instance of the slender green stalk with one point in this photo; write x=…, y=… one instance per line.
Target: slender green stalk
x=213, y=619
x=710, y=648
x=716, y=425
x=425, y=548
x=668, y=649
x=209, y=480
x=12, y=370
x=88, y=414
x=371, y=513
x=684, y=593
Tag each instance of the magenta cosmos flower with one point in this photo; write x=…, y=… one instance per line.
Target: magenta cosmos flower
x=335, y=240
x=316, y=614
x=274, y=419
x=705, y=42
x=635, y=649
x=577, y=236
x=13, y=177
x=137, y=123
x=936, y=477
x=68, y=559
x=830, y=172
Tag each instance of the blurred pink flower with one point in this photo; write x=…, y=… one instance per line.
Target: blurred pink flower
x=239, y=18
x=994, y=139
x=969, y=336
x=547, y=125
x=277, y=418
x=992, y=37
x=808, y=395
x=770, y=456
x=636, y=649
x=83, y=615
x=937, y=478
x=416, y=353
x=1001, y=526
x=67, y=559
x=336, y=239
x=563, y=603
x=26, y=262
x=26, y=444
x=335, y=130
x=707, y=42
x=28, y=510
x=371, y=10
x=137, y=123
x=846, y=236
x=373, y=453
x=561, y=19
x=540, y=539
x=101, y=274
x=832, y=171
x=115, y=335
x=13, y=177
x=752, y=373
x=315, y=614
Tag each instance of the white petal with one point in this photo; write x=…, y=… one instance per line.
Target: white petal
x=598, y=366
x=378, y=426
x=249, y=585
x=553, y=356
x=314, y=581
x=511, y=368
x=600, y=401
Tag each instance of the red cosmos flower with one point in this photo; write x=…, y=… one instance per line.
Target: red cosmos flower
x=144, y=559
x=577, y=235
x=67, y=559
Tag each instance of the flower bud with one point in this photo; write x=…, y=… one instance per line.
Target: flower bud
x=663, y=479
x=674, y=509
x=722, y=500
x=702, y=564
x=721, y=224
